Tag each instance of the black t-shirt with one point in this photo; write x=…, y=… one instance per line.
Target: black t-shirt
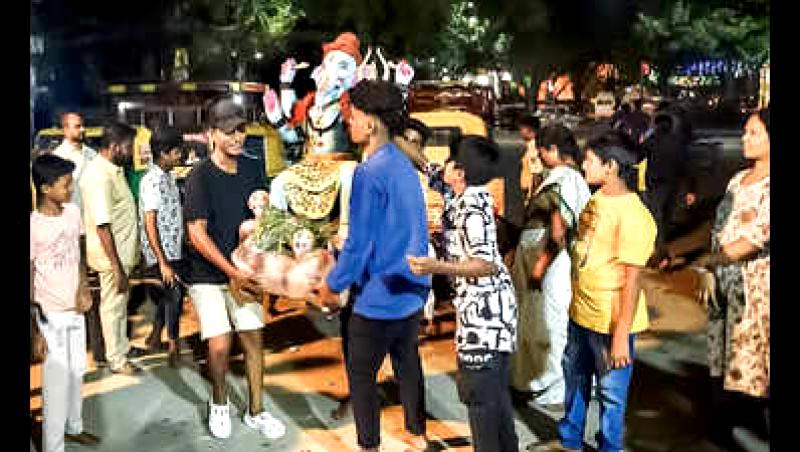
x=220, y=199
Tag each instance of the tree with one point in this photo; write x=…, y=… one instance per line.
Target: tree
x=230, y=35
x=683, y=33
x=469, y=41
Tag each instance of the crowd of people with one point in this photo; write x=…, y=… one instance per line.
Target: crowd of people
x=552, y=320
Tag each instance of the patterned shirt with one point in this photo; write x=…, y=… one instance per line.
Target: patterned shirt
x=159, y=192
x=486, y=306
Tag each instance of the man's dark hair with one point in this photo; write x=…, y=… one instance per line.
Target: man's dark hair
x=626, y=108
x=62, y=118
x=637, y=104
x=420, y=127
x=478, y=157
x=562, y=138
x=116, y=132
x=611, y=137
x=47, y=169
x=164, y=139
x=382, y=99
x=617, y=146
x=763, y=115
x=529, y=121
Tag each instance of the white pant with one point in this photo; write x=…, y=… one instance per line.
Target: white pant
x=557, y=292
x=62, y=377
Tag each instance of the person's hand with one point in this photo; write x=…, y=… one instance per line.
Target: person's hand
x=167, y=274
x=508, y=259
x=288, y=70
x=403, y=73
x=422, y=265
x=337, y=241
x=84, y=301
x=244, y=288
x=121, y=280
x=690, y=199
x=620, y=351
x=540, y=267
x=326, y=298
x=272, y=107
x=39, y=347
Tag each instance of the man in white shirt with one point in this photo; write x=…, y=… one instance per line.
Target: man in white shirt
x=74, y=150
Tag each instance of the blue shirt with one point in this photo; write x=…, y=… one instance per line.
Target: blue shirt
x=387, y=222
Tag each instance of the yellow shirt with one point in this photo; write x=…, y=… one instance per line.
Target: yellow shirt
x=108, y=200
x=613, y=230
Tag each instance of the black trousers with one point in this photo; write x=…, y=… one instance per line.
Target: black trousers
x=487, y=397
x=369, y=342
x=168, y=300
x=661, y=200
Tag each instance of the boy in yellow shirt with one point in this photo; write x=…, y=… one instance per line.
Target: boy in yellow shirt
x=616, y=236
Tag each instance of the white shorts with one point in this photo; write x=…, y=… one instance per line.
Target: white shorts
x=219, y=313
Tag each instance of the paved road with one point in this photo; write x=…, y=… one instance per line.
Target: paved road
x=164, y=408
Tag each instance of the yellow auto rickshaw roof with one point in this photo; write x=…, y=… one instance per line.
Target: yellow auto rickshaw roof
x=93, y=132
x=469, y=123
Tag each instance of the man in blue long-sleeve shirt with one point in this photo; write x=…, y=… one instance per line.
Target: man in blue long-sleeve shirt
x=387, y=223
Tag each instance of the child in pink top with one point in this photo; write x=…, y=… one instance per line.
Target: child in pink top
x=56, y=287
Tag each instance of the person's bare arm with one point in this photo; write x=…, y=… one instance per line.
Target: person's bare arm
x=472, y=267
x=151, y=229
x=620, y=351
x=110, y=248
x=739, y=250
x=199, y=238
x=31, y=285
x=735, y=251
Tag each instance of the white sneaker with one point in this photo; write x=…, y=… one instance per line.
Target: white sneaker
x=219, y=420
x=265, y=423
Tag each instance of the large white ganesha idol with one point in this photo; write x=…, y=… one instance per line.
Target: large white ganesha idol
x=311, y=187
x=263, y=256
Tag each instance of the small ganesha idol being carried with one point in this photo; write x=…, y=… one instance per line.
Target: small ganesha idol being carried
x=280, y=251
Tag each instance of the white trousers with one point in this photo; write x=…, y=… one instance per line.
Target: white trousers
x=62, y=377
x=557, y=292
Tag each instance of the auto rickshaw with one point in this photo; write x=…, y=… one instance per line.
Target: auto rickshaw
x=446, y=127
x=50, y=138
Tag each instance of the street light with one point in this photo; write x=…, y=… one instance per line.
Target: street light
x=259, y=56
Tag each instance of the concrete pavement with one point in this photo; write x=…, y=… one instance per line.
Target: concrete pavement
x=164, y=408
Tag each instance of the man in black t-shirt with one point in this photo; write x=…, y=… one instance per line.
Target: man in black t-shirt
x=217, y=191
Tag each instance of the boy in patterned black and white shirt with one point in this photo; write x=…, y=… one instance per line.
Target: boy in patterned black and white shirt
x=161, y=230
x=485, y=301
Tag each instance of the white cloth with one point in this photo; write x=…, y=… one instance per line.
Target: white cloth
x=557, y=293
x=219, y=313
x=62, y=377
x=430, y=304
x=78, y=156
x=573, y=190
